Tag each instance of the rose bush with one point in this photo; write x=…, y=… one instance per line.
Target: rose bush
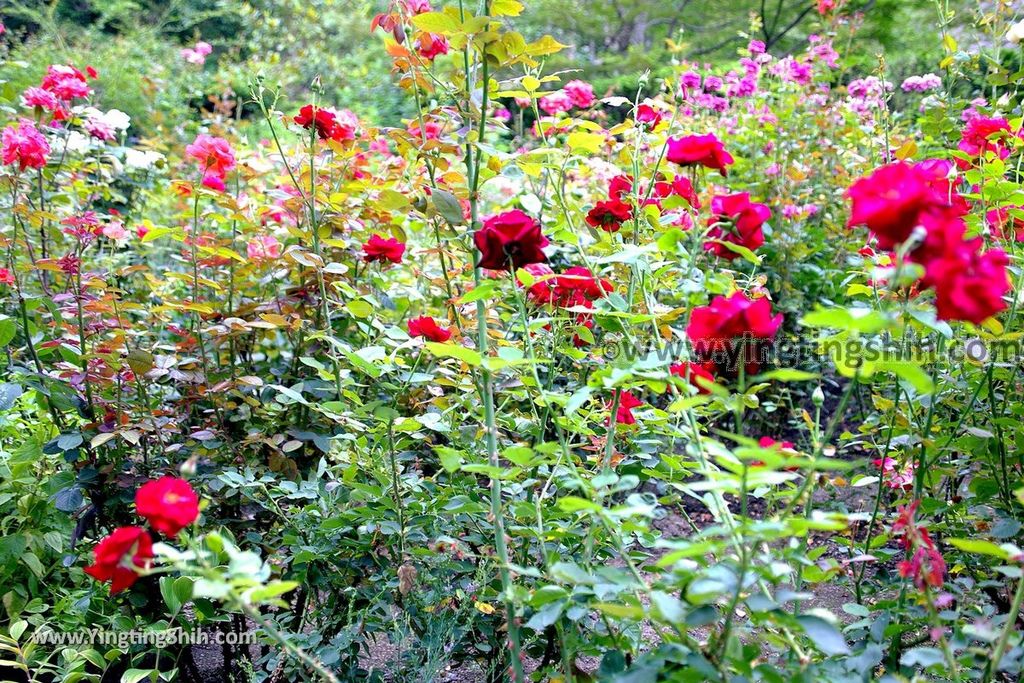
x=715, y=381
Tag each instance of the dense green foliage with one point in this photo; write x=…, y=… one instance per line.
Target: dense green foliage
x=508, y=341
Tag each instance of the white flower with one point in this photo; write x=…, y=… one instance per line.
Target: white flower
x=1015, y=34
x=115, y=118
x=141, y=160
x=74, y=142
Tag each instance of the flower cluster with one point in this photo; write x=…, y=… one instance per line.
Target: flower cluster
x=923, y=83
x=340, y=126
x=578, y=94
x=169, y=505
x=23, y=145
x=197, y=54
x=924, y=564
x=916, y=205
x=216, y=159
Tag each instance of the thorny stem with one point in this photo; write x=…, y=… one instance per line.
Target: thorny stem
x=325, y=311
x=486, y=383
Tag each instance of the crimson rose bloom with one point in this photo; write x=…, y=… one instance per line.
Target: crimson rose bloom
x=1004, y=225
x=624, y=414
x=169, y=504
x=428, y=328
x=926, y=565
x=577, y=286
x=326, y=123
x=679, y=186
x=895, y=199
x=699, y=150
x=699, y=375
x=982, y=135
x=970, y=287
x=24, y=145
x=511, y=236
x=609, y=215
x=715, y=328
x=542, y=291
x=648, y=115
x=431, y=45
x=735, y=219
x=116, y=556
x=620, y=185
x=379, y=249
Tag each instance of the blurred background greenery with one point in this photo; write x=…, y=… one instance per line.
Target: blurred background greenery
x=135, y=44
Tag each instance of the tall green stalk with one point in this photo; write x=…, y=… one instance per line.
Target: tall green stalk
x=486, y=383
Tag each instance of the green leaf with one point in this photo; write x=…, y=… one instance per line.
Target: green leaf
x=588, y=142
x=506, y=8
x=824, y=636
x=271, y=591
x=668, y=607
x=446, y=203
x=922, y=657
x=545, y=46
x=136, y=675
x=168, y=594
x=863, y=320
x=8, y=328
x=577, y=504
x=979, y=547
x=482, y=292
x=436, y=22
x=359, y=308
x=468, y=356
x=451, y=459
x=786, y=375
x=918, y=378
x=9, y=393
x=620, y=611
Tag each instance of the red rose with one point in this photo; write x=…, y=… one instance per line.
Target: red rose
x=315, y=117
x=679, y=186
x=982, y=135
x=735, y=219
x=620, y=185
x=648, y=115
x=714, y=329
x=624, y=413
x=169, y=504
x=970, y=287
x=896, y=198
x=697, y=375
x=428, y=328
x=431, y=45
x=6, y=277
x=511, y=237
x=699, y=150
x=926, y=567
x=578, y=286
x=379, y=249
x=609, y=215
x=542, y=291
x=116, y=556
x=1004, y=225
